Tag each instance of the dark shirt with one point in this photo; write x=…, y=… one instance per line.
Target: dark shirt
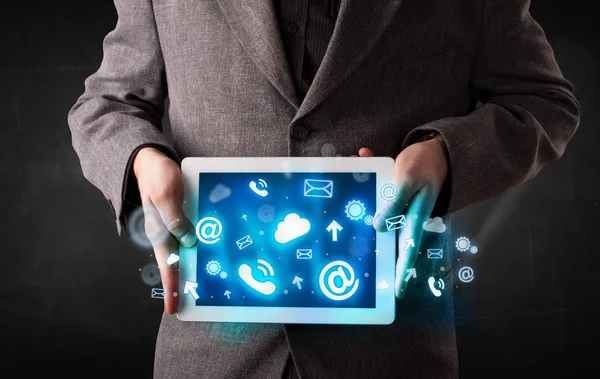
x=306, y=27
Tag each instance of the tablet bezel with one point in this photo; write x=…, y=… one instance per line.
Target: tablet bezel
x=384, y=311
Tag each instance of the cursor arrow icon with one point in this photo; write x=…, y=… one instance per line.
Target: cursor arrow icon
x=412, y=273
x=227, y=293
x=190, y=287
x=297, y=280
x=334, y=227
x=409, y=242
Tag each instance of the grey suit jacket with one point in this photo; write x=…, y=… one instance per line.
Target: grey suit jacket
x=393, y=68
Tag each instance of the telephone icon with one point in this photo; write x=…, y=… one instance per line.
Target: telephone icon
x=266, y=287
x=259, y=191
x=432, y=286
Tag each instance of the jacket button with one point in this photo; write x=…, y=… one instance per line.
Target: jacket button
x=292, y=28
x=299, y=132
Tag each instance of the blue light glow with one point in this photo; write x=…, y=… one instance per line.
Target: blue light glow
x=284, y=266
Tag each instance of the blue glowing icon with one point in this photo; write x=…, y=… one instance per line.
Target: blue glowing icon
x=297, y=281
x=244, y=242
x=434, y=225
x=266, y=213
x=172, y=258
x=267, y=287
x=369, y=220
x=190, y=288
x=220, y=192
x=337, y=281
x=466, y=274
x=213, y=267
x=463, y=244
x=334, y=228
x=292, y=227
x=411, y=273
x=361, y=177
x=260, y=188
x=435, y=253
x=436, y=286
x=389, y=191
x=355, y=210
x=394, y=223
x=318, y=188
x=304, y=254
x=208, y=230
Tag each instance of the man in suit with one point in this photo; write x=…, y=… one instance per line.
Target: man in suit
x=466, y=95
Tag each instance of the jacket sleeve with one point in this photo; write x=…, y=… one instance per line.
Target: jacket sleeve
x=527, y=117
x=123, y=104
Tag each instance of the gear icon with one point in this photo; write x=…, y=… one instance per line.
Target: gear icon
x=463, y=243
x=473, y=249
x=369, y=220
x=213, y=267
x=355, y=210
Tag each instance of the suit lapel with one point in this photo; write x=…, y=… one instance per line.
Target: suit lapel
x=256, y=26
x=359, y=26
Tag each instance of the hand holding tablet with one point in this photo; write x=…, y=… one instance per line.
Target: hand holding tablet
x=287, y=240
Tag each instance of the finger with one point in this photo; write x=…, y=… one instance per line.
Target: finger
x=177, y=224
x=365, y=152
x=163, y=248
x=395, y=207
x=169, y=274
x=406, y=187
x=419, y=210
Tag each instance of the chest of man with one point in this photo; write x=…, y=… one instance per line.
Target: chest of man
x=388, y=67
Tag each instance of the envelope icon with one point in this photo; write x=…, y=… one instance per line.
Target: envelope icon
x=435, y=253
x=244, y=242
x=318, y=188
x=304, y=253
x=157, y=293
x=394, y=223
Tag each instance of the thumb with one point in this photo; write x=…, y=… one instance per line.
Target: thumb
x=365, y=152
x=177, y=223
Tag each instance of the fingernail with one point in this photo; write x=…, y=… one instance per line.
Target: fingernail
x=188, y=239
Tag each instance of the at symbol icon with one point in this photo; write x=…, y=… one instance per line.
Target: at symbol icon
x=208, y=230
x=339, y=283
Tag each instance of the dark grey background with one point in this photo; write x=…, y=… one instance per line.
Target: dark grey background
x=71, y=297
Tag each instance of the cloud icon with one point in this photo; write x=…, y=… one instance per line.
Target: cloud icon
x=434, y=225
x=291, y=228
x=220, y=192
x=383, y=285
x=173, y=258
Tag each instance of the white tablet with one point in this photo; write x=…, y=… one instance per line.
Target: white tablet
x=287, y=240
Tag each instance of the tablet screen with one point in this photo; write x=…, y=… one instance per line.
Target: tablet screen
x=286, y=240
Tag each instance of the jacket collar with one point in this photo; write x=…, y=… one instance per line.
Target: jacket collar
x=359, y=26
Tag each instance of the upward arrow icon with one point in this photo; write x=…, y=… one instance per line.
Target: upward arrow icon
x=190, y=287
x=297, y=280
x=334, y=227
x=412, y=273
